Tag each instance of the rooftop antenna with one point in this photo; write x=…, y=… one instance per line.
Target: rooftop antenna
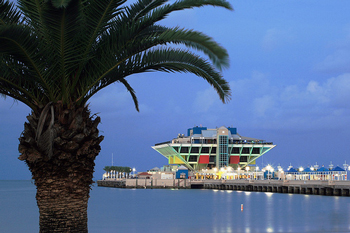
x=316, y=166
x=290, y=166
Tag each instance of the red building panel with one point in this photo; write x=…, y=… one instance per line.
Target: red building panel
x=234, y=160
x=204, y=159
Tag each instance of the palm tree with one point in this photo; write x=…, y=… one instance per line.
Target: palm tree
x=56, y=54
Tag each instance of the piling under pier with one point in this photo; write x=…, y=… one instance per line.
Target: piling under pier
x=311, y=187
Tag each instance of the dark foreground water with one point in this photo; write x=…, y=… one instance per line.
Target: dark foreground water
x=145, y=210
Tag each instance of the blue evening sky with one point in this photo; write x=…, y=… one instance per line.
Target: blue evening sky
x=290, y=79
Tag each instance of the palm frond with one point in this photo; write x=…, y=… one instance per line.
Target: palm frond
x=97, y=17
x=64, y=30
x=162, y=11
x=17, y=43
x=195, y=40
x=60, y=3
x=132, y=93
x=8, y=13
x=166, y=60
x=67, y=50
x=142, y=7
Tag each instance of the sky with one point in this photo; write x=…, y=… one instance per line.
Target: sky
x=290, y=79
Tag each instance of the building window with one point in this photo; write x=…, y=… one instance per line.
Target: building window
x=243, y=159
x=210, y=141
x=212, y=159
x=205, y=150
x=245, y=150
x=184, y=149
x=192, y=158
x=256, y=151
x=195, y=150
x=176, y=148
x=235, y=150
x=213, y=150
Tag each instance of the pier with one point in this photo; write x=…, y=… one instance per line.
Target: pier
x=311, y=187
x=329, y=188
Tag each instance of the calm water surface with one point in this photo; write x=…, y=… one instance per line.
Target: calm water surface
x=146, y=210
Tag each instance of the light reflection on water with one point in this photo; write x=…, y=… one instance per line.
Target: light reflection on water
x=204, y=211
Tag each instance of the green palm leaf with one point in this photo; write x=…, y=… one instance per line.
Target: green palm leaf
x=71, y=49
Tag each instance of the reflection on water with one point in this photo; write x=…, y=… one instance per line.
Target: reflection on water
x=204, y=211
x=269, y=194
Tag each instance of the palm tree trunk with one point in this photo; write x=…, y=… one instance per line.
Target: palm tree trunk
x=61, y=210
x=59, y=147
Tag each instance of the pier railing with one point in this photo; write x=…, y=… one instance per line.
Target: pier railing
x=315, y=187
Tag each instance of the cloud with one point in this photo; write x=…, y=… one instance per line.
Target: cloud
x=313, y=105
x=263, y=104
x=339, y=59
x=206, y=100
x=274, y=38
x=257, y=84
x=338, y=91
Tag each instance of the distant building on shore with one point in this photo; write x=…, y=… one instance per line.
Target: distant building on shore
x=204, y=148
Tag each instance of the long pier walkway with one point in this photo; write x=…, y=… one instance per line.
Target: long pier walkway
x=312, y=187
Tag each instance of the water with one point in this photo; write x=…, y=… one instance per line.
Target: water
x=173, y=211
